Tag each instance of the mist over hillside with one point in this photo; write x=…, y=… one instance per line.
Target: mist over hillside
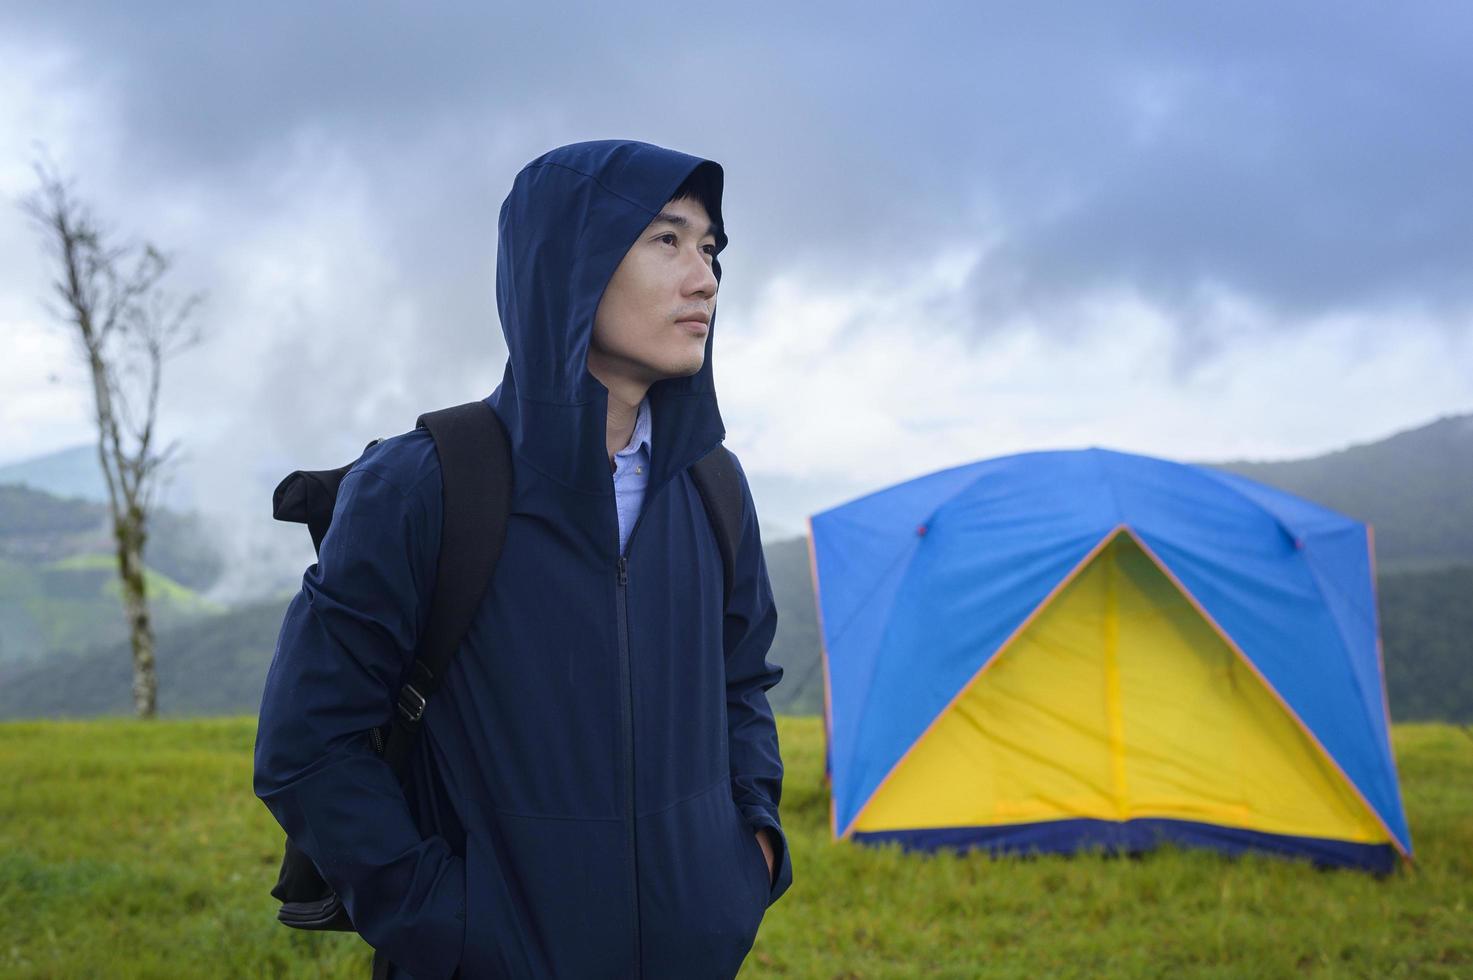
x=1412, y=487
x=243, y=555
x=208, y=666
x=59, y=588
x=63, y=646
x=74, y=473
x=217, y=665
x=39, y=527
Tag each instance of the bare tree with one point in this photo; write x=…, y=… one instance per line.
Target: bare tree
x=126, y=327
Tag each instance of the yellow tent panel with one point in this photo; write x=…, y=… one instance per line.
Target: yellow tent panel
x=1119, y=701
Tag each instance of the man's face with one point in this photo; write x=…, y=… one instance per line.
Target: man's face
x=652, y=320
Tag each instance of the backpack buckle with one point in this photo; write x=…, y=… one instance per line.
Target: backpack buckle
x=411, y=703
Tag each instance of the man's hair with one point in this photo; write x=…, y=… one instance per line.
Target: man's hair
x=698, y=187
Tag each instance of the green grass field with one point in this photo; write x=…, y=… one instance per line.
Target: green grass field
x=138, y=850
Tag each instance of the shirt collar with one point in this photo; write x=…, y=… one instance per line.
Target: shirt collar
x=640, y=439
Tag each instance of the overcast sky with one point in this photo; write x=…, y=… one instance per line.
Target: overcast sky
x=1199, y=231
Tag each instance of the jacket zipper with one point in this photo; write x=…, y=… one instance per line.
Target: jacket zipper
x=626, y=679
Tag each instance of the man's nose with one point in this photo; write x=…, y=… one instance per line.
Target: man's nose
x=701, y=280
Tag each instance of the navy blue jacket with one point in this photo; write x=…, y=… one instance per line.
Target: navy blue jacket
x=585, y=792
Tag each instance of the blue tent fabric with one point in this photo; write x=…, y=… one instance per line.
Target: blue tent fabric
x=920, y=584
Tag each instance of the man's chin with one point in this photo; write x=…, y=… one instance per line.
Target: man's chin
x=685, y=370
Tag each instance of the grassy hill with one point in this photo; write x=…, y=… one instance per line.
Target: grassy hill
x=132, y=849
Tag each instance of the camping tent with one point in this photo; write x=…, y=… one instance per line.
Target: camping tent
x=1058, y=650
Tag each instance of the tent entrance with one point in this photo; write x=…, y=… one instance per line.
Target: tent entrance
x=1119, y=702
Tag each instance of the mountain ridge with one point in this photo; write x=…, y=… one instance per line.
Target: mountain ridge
x=1409, y=487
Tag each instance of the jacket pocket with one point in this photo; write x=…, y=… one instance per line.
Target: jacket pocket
x=496, y=943
x=702, y=893
x=757, y=858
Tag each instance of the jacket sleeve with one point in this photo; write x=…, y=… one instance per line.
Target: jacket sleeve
x=347, y=637
x=749, y=626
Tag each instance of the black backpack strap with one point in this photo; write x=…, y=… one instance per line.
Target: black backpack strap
x=476, y=478
x=720, y=487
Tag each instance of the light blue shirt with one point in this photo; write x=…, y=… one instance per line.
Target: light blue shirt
x=632, y=473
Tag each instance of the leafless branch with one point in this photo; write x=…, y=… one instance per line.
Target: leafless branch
x=126, y=327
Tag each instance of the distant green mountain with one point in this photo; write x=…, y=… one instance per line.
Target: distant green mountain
x=73, y=472
x=210, y=666
x=1414, y=488
x=38, y=527
x=76, y=473
x=1427, y=640
x=59, y=585
x=76, y=603
x=217, y=664
x=795, y=647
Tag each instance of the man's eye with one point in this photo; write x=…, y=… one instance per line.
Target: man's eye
x=670, y=235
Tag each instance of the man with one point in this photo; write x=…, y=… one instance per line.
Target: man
x=595, y=789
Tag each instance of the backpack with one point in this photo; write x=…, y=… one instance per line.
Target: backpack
x=475, y=466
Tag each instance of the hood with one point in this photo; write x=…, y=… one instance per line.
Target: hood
x=569, y=219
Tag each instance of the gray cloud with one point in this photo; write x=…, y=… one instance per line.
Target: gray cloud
x=1309, y=159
